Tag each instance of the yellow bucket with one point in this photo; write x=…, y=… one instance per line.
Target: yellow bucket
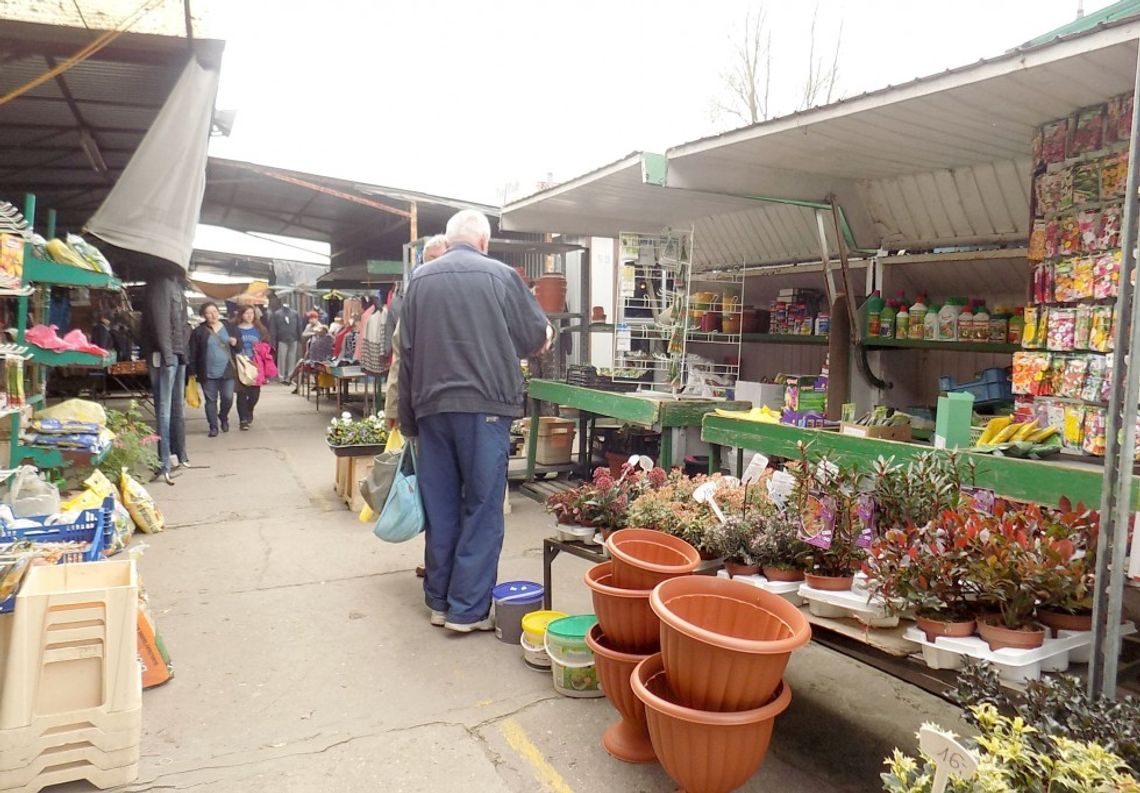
x=534, y=626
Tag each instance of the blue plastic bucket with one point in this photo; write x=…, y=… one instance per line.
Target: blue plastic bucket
x=514, y=600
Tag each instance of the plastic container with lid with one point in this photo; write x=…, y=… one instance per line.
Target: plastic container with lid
x=999, y=324
x=930, y=322
x=981, y=323
x=874, y=313
x=1016, y=326
x=887, y=321
x=948, y=318
x=512, y=601
x=902, y=323
x=966, y=323
x=917, y=318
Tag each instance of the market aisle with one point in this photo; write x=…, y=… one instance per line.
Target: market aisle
x=304, y=660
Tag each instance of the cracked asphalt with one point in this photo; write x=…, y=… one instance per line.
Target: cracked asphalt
x=304, y=659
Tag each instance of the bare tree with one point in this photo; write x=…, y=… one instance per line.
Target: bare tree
x=748, y=82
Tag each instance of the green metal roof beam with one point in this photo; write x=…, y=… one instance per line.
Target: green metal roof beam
x=1114, y=13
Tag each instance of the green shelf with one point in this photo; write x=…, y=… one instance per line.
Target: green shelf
x=70, y=358
x=39, y=271
x=783, y=338
x=41, y=456
x=955, y=346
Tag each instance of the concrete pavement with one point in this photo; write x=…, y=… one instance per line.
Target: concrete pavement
x=305, y=662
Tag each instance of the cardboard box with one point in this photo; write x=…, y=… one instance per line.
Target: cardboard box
x=952, y=421
x=891, y=433
x=11, y=261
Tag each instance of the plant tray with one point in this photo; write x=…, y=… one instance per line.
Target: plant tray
x=360, y=450
x=855, y=604
x=1014, y=667
x=1082, y=654
x=788, y=590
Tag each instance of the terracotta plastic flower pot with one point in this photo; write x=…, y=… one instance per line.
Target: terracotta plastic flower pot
x=933, y=628
x=628, y=738
x=783, y=574
x=1060, y=621
x=998, y=636
x=643, y=558
x=829, y=583
x=550, y=292
x=725, y=643
x=624, y=614
x=704, y=752
x=736, y=568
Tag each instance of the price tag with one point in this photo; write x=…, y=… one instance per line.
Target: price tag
x=756, y=466
x=623, y=338
x=628, y=280
x=950, y=757
x=704, y=495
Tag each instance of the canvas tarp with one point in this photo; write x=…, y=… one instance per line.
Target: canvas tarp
x=154, y=206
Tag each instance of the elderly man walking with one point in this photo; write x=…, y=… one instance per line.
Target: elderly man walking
x=465, y=323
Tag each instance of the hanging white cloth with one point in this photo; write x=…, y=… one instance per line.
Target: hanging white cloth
x=155, y=205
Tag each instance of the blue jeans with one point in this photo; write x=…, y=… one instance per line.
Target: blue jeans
x=168, y=387
x=214, y=389
x=462, y=470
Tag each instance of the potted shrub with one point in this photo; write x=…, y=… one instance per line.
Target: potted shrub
x=836, y=517
x=561, y=505
x=1071, y=571
x=734, y=540
x=607, y=502
x=778, y=549
x=919, y=491
x=926, y=568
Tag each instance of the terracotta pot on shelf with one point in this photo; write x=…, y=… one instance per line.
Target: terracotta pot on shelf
x=933, y=628
x=623, y=614
x=725, y=643
x=730, y=323
x=739, y=568
x=704, y=751
x=999, y=636
x=710, y=322
x=829, y=583
x=550, y=291
x=643, y=558
x=782, y=574
x=628, y=738
x=1061, y=621
x=598, y=314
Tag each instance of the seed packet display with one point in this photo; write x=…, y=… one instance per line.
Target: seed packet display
x=1043, y=283
x=1094, y=432
x=1034, y=322
x=1108, y=234
x=1069, y=236
x=1086, y=182
x=1118, y=119
x=1076, y=368
x=1061, y=334
x=1037, y=241
x=1038, y=145
x=1072, y=425
x=1100, y=332
x=1063, y=289
x=1094, y=378
x=1106, y=275
x=1084, y=276
x=1088, y=134
x=1083, y=327
x=1052, y=238
x=1054, y=141
x=1106, y=380
x=1089, y=222
x=1055, y=190
x=1113, y=176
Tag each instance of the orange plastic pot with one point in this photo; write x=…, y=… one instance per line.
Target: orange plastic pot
x=1060, y=621
x=643, y=558
x=783, y=574
x=628, y=738
x=725, y=643
x=624, y=614
x=829, y=583
x=704, y=752
x=999, y=636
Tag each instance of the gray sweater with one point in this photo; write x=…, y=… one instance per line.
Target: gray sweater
x=465, y=323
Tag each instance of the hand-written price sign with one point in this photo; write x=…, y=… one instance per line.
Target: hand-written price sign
x=949, y=756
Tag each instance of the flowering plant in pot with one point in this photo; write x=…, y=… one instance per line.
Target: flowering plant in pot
x=777, y=547
x=607, y=502
x=926, y=568
x=836, y=519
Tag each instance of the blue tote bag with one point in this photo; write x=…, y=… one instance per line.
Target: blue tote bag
x=402, y=516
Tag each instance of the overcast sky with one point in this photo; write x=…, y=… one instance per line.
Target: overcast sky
x=459, y=98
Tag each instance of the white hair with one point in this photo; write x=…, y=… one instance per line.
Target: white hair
x=468, y=226
x=438, y=241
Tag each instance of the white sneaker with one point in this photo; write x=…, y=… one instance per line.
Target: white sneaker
x=438, y=618
x=486, y=624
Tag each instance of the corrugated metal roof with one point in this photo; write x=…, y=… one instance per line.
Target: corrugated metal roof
x=1115, y=12
x=939, y=161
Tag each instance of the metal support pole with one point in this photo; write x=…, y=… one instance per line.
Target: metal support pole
x=1120, y=432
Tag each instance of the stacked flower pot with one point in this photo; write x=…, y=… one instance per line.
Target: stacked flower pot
x=709, y=685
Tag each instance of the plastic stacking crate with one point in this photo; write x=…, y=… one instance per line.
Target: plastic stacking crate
x=992, y=386
x=72, y=654
x=95, y=527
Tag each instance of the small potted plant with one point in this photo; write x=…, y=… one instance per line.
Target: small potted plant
x=778, y=549
x=561, y=505
x=607, y=504
x=1070, y=554
x=734, y=540
x=350, y=438
x=926, y=568
x=836, y=517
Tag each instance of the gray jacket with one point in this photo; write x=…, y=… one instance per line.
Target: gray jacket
x=165, y=326
x=465, y=323
x=286, y=325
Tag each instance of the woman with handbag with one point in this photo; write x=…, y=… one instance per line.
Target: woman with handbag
x=211, y=362
x=248, y=333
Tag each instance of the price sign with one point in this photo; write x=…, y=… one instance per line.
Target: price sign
x=950, y=757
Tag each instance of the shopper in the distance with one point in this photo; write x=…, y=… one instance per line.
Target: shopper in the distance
x=465, y=323
x=211, y=361
x=249, y=332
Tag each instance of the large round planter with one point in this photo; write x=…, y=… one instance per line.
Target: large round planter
x=628, y=738
x=703, y=751
x=737, y=568
x=624, y=614
x=933, y=628
x=643, y=558
x=550, y=292
x=829, y=583
x=725, y=643
x=782, y=574
x=1060, y=621
x=998, y=636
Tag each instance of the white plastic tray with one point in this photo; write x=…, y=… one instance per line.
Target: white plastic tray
x=788, y=590
x=1081, y=655
x=857, y=604
x=1012, y=665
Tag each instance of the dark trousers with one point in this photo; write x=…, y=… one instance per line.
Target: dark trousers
x=462, y=471
x=247, y=396
x=217, y=390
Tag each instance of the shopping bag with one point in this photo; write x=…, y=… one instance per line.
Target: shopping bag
x=246, y=370
x=402, y=517
x=395, y=440
x=374, y=488
x=193, y=398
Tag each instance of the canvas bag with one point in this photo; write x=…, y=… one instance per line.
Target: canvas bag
x=402, y=517
x=374, y=487
x=246, y=370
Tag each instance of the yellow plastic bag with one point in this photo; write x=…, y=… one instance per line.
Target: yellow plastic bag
x=366, y=514
x=395, y=440
x=144, y=512
x=193, y=398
